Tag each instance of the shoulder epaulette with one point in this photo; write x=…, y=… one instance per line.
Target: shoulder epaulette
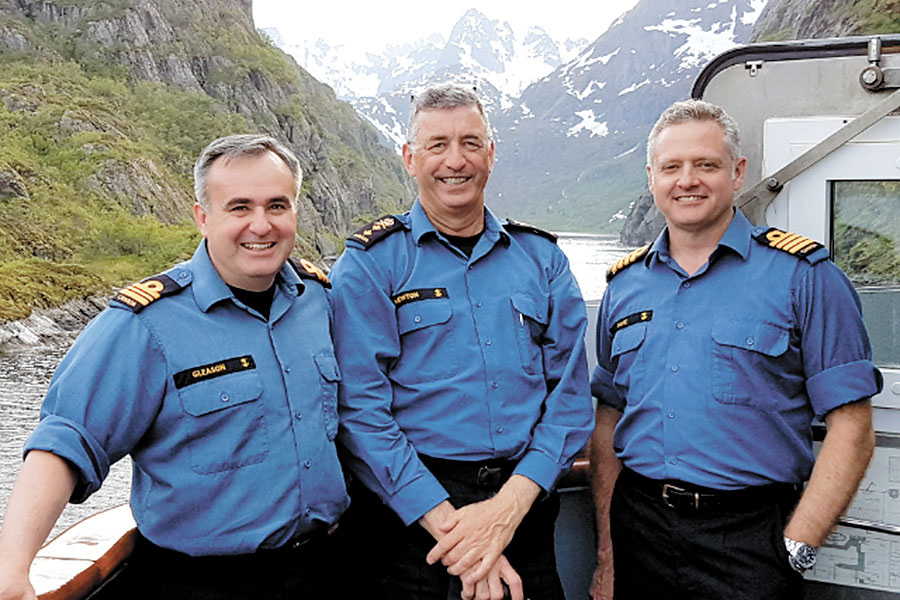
x=791, y=243
x=627, y=260
x=307, y=270
x=138, y=296
x=513, y=224
x=376, y=230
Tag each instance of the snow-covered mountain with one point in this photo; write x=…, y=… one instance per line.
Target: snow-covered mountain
x=589, y=105
x=592, y=115
x=482, y=52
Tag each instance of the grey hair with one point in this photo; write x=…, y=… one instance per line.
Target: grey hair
x=696, y=110
x=235, y=146
x=439, y=97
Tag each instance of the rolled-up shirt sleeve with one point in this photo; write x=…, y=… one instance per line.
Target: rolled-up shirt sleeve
x=837, y=355
x=103, y=397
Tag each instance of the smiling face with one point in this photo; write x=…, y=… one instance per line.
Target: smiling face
x=693, y=177
x=451, y=160
x=251, y=221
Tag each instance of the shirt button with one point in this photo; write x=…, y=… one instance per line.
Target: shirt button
x=674, y=368
x=671, y=414
x=540, y=316
x=488, y=343
x=224, y=397
x=750, y=340
x=679, y=325
x=499, y=428
x=495, y=385
x=307, y=511
x=182, y=275
x=307, y=463
x=673, y=461
x=687, y=284
x=417, y=319
x=287, y=369
x=478, y=305
x=299, y=416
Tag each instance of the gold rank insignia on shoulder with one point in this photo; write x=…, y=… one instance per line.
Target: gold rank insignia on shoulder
x=139, y=295
x=307, y=270
x=638, y=317
x=416, y=295
x=376, y=230
x=216, y=369
x=513, y=224
x=627, y=260
x=791, y=243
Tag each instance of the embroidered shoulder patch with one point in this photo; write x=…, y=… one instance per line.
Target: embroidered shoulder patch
x=638, y=317
x=307, y=270
x=513, y=224
x=627, y=260
x=139, y=295
x=416, y=295
x=791, y=243
x=216, y=369
x=376, y=230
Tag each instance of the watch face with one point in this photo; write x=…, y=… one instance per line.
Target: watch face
x=805, y=556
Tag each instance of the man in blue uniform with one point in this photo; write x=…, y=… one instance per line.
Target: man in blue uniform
x=469, y=396
x=717, y=345
x=218, y=377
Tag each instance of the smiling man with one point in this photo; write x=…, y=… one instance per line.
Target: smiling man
x=218, y=377
x=469, y=392
x=717, y=345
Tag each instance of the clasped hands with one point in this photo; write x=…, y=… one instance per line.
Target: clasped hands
x=471, y=539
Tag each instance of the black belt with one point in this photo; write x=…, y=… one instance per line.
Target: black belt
x=687, y=497
x=298, y=544
x=485, y=473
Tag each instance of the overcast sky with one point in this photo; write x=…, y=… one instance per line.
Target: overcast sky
x=373, y=25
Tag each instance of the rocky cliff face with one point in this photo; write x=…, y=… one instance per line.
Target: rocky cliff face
x=211, y=47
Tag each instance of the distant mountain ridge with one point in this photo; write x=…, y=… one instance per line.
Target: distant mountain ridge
x=570, y=128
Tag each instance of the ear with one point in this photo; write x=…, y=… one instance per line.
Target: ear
x=491, y=158
x=650, y=179
x=200, y=218
x=408, y=160
x=740, y=167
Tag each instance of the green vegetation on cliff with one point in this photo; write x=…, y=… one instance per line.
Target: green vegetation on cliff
x=104, y=106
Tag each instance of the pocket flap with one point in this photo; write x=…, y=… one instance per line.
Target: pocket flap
x=628, y=339
x=205, y=397
x=423, y=313
x=757, y=336
x=328, y=367
x=531, y=308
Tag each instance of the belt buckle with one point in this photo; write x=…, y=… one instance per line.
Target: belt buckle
x=489, y=475
x=665, y=495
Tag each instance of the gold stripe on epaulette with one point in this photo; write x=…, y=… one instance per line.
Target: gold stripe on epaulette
x=785, y=241
x=627, y=260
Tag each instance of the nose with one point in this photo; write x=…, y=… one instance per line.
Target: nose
x=687, y=178
x=259, y=222
x=454, y=158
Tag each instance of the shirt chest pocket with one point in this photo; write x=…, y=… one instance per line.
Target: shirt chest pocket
x=530, y=320
x=427, y=344
x=626, y=359
x=225, y=422
x=748, y=364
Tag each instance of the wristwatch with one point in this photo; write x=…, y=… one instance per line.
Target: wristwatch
x=802, y=555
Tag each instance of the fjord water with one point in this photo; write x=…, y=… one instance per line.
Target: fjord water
x=25, y=375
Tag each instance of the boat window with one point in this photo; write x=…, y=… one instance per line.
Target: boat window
x=866, y=245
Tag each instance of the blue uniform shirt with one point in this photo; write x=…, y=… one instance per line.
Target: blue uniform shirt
x=229, y=419
x=720, y=374
x=456, y=358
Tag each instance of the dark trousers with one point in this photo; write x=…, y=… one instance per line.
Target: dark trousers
x=305, y=572
x=683, y=553
x=391, y=556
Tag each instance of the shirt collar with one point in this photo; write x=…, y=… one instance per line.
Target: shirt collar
x=421, y=225
x=209, y=287
x=736, y=237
